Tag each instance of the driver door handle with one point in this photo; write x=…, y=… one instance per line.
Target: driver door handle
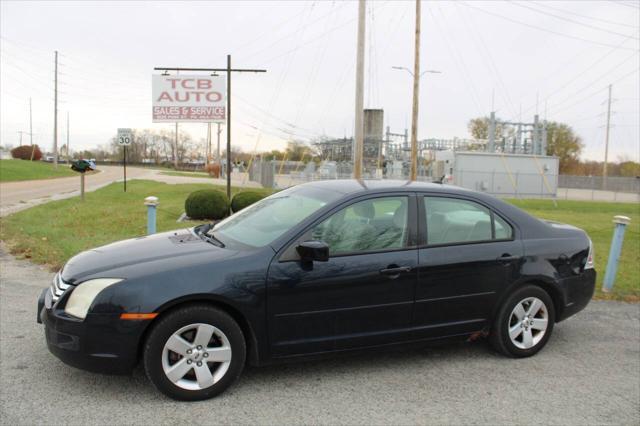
x=505, y=258
x=395, y=271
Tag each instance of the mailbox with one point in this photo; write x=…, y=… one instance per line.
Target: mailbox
x=82, y=166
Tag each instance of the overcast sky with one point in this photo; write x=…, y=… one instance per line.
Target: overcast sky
x=556, y=58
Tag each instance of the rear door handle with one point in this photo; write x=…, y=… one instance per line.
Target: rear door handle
x=507, y=258
x=395, y=271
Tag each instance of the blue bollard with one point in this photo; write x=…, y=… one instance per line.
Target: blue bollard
x=614, y=253
x=151, y=203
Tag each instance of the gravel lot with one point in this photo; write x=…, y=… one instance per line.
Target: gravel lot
x=589, y=373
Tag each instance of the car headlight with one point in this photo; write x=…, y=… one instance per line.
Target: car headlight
x=84, y=294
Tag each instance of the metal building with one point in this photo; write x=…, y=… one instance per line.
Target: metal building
x=507, y=175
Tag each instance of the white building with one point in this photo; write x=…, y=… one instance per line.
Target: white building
x=507, y=175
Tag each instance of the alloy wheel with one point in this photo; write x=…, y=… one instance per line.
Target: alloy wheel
x=528, y=323
x=196, y=356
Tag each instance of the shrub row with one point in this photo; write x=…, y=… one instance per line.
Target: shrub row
x=211, y=204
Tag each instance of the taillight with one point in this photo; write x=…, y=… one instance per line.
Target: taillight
x=590, y=256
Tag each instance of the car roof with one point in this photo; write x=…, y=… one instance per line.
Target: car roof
x=352, y=186
x=529, y=225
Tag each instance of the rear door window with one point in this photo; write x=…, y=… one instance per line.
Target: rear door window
x=453, y=221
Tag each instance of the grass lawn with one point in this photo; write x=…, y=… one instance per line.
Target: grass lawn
x=596, y=219
x=53, y=232
x=16, y=170
x=187, y=174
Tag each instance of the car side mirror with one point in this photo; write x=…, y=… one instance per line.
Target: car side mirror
x=310, y=251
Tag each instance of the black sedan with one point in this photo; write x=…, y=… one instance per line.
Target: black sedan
x=317, y=269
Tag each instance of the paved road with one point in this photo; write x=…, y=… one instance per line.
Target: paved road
x=16, y=196
x=588, y=374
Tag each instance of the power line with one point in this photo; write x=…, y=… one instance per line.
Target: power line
x=42, y=83
x=540, y=28
x=276, y=27
x=292, y=34
x=493, y=69
x=313, y=40
x=562, y=18
x=462, y=69
x=276, y=94
x=575, y=78
x=315, y=69
x=581, y=100
x=590, y=84
x=548, y=6
x=25, y=45
x=622, y=3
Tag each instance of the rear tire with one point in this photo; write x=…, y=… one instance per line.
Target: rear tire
x=194, y=353
x=524, y=323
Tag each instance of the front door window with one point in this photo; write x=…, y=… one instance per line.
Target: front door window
x=372, y=225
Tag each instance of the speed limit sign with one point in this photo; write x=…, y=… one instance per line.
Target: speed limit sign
x=125, y=137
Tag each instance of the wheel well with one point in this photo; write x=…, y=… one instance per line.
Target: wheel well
x=553, y=292
x=249, y=336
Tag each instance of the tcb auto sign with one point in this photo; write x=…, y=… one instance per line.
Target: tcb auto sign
x=188, y=98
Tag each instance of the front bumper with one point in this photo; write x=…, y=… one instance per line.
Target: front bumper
x=101, y=343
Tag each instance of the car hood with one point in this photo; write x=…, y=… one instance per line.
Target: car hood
x=137, y=251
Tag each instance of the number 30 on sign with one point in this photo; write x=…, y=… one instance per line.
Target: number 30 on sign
x=125, y=137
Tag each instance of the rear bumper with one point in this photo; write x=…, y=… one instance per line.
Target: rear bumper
x=101, y=343
x=579, y=291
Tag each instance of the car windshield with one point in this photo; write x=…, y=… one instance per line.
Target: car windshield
x=263, y=222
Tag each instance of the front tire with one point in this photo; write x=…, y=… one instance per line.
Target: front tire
x=524, y=323
x=194, y=353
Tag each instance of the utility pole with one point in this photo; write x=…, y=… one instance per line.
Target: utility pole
x=175, y=149
x=218, y=150
x=416, y=90
x=20, y=132
x=208, y=148
x=30, y=124
x=55, y=114
x=492, y=132
x=67, y=135
x=358, y=136
x=229, y=127
x=606, y=143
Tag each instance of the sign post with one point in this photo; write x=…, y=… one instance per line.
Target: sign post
x=82, y=166
x=184, y=98
x=82, y=186
x=125, y=137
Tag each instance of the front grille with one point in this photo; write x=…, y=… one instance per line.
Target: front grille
x=58, y=287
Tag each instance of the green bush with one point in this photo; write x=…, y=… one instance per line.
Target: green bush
x=207, y=204
x=244, y=199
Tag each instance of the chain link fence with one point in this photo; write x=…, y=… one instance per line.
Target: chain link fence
x=514, y=184
x=614, y=184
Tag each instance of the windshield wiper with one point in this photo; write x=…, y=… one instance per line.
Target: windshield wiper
x=210, y=238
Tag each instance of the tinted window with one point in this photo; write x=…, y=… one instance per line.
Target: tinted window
x=450, y=220
x=503, y=229
x=370, y=225
x=263, y=222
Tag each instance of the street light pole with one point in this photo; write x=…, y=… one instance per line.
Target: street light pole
x=416, y=74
